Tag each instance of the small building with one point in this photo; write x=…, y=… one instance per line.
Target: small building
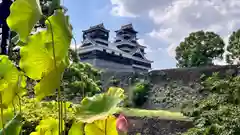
x=124, y=54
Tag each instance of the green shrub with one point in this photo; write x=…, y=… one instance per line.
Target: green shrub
x=140, y=93
x=33, y=112
x=218, y=112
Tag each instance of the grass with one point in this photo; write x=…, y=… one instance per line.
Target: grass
x=160, y=114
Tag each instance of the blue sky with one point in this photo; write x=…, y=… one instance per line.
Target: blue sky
x=161, y=24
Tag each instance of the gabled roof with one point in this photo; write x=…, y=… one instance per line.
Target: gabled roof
x=89, y=40
x=95, y=27
x=138, y=51
x=127, y=27
x=101, y=25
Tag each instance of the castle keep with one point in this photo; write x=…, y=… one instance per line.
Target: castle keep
x=124, y=54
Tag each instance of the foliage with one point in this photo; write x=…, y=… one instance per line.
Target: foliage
x=100, y=106
x=77, y=128
x=44, y=58
x=33, y=112
x=13, y=127
x=80, y=79
x=98, y=109
x=12, y=82
x=199, y=49
x=48, y=62
x=47, y=126
x=7, y=116
x=43, y=63
x=174, y=95
x=73, y=55
x=115, y=82
x=233, y=48
x=140, y=93
x=106, y=126
x=30, y=10
x=218, y=112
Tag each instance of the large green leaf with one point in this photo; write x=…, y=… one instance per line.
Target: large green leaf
x=47, y=127
x=7, y=116
x=12, y=82
x=13, y=127
x=62, y=33
x=24, y=15
x=99, y=106
x=37, y=59
x=44, y=87
x=77, y=129
x=102, y=127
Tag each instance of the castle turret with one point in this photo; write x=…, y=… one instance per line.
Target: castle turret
x=96, y=35
x=126, y=39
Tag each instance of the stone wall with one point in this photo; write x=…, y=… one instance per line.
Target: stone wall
x=183, y=82
x=154, y=126
x=187, y=75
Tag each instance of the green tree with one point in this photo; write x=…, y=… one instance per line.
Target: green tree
x=234, y=48
x=218, y=112
x=199, y=49
x=80, y=80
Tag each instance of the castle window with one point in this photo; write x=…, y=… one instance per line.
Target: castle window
x=118, y=40
x=113, y=52
x=102, y=43
x=138, y=55
x=134, y=41
x=120, y=54
x=126, y=37
x=104, y=50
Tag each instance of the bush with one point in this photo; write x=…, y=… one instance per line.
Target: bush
x=33, y=112
x=218, y=112
x=140, y=93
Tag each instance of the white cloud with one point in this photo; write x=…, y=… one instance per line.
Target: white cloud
x=142, y=42
x=175, y=19
x=171, y=50
x=120, y=10
x=161, y=34
x=133, y=8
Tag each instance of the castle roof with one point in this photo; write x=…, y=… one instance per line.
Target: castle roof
x=127, y=27
x=97, y=27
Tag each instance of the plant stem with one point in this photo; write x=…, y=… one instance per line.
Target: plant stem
x=2, y=114
x=61, y=103
x=65, y=114
x=58, y=89
x=75, y=45
x=105, y=130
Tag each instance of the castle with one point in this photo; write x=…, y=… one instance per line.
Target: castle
x=124, y=54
